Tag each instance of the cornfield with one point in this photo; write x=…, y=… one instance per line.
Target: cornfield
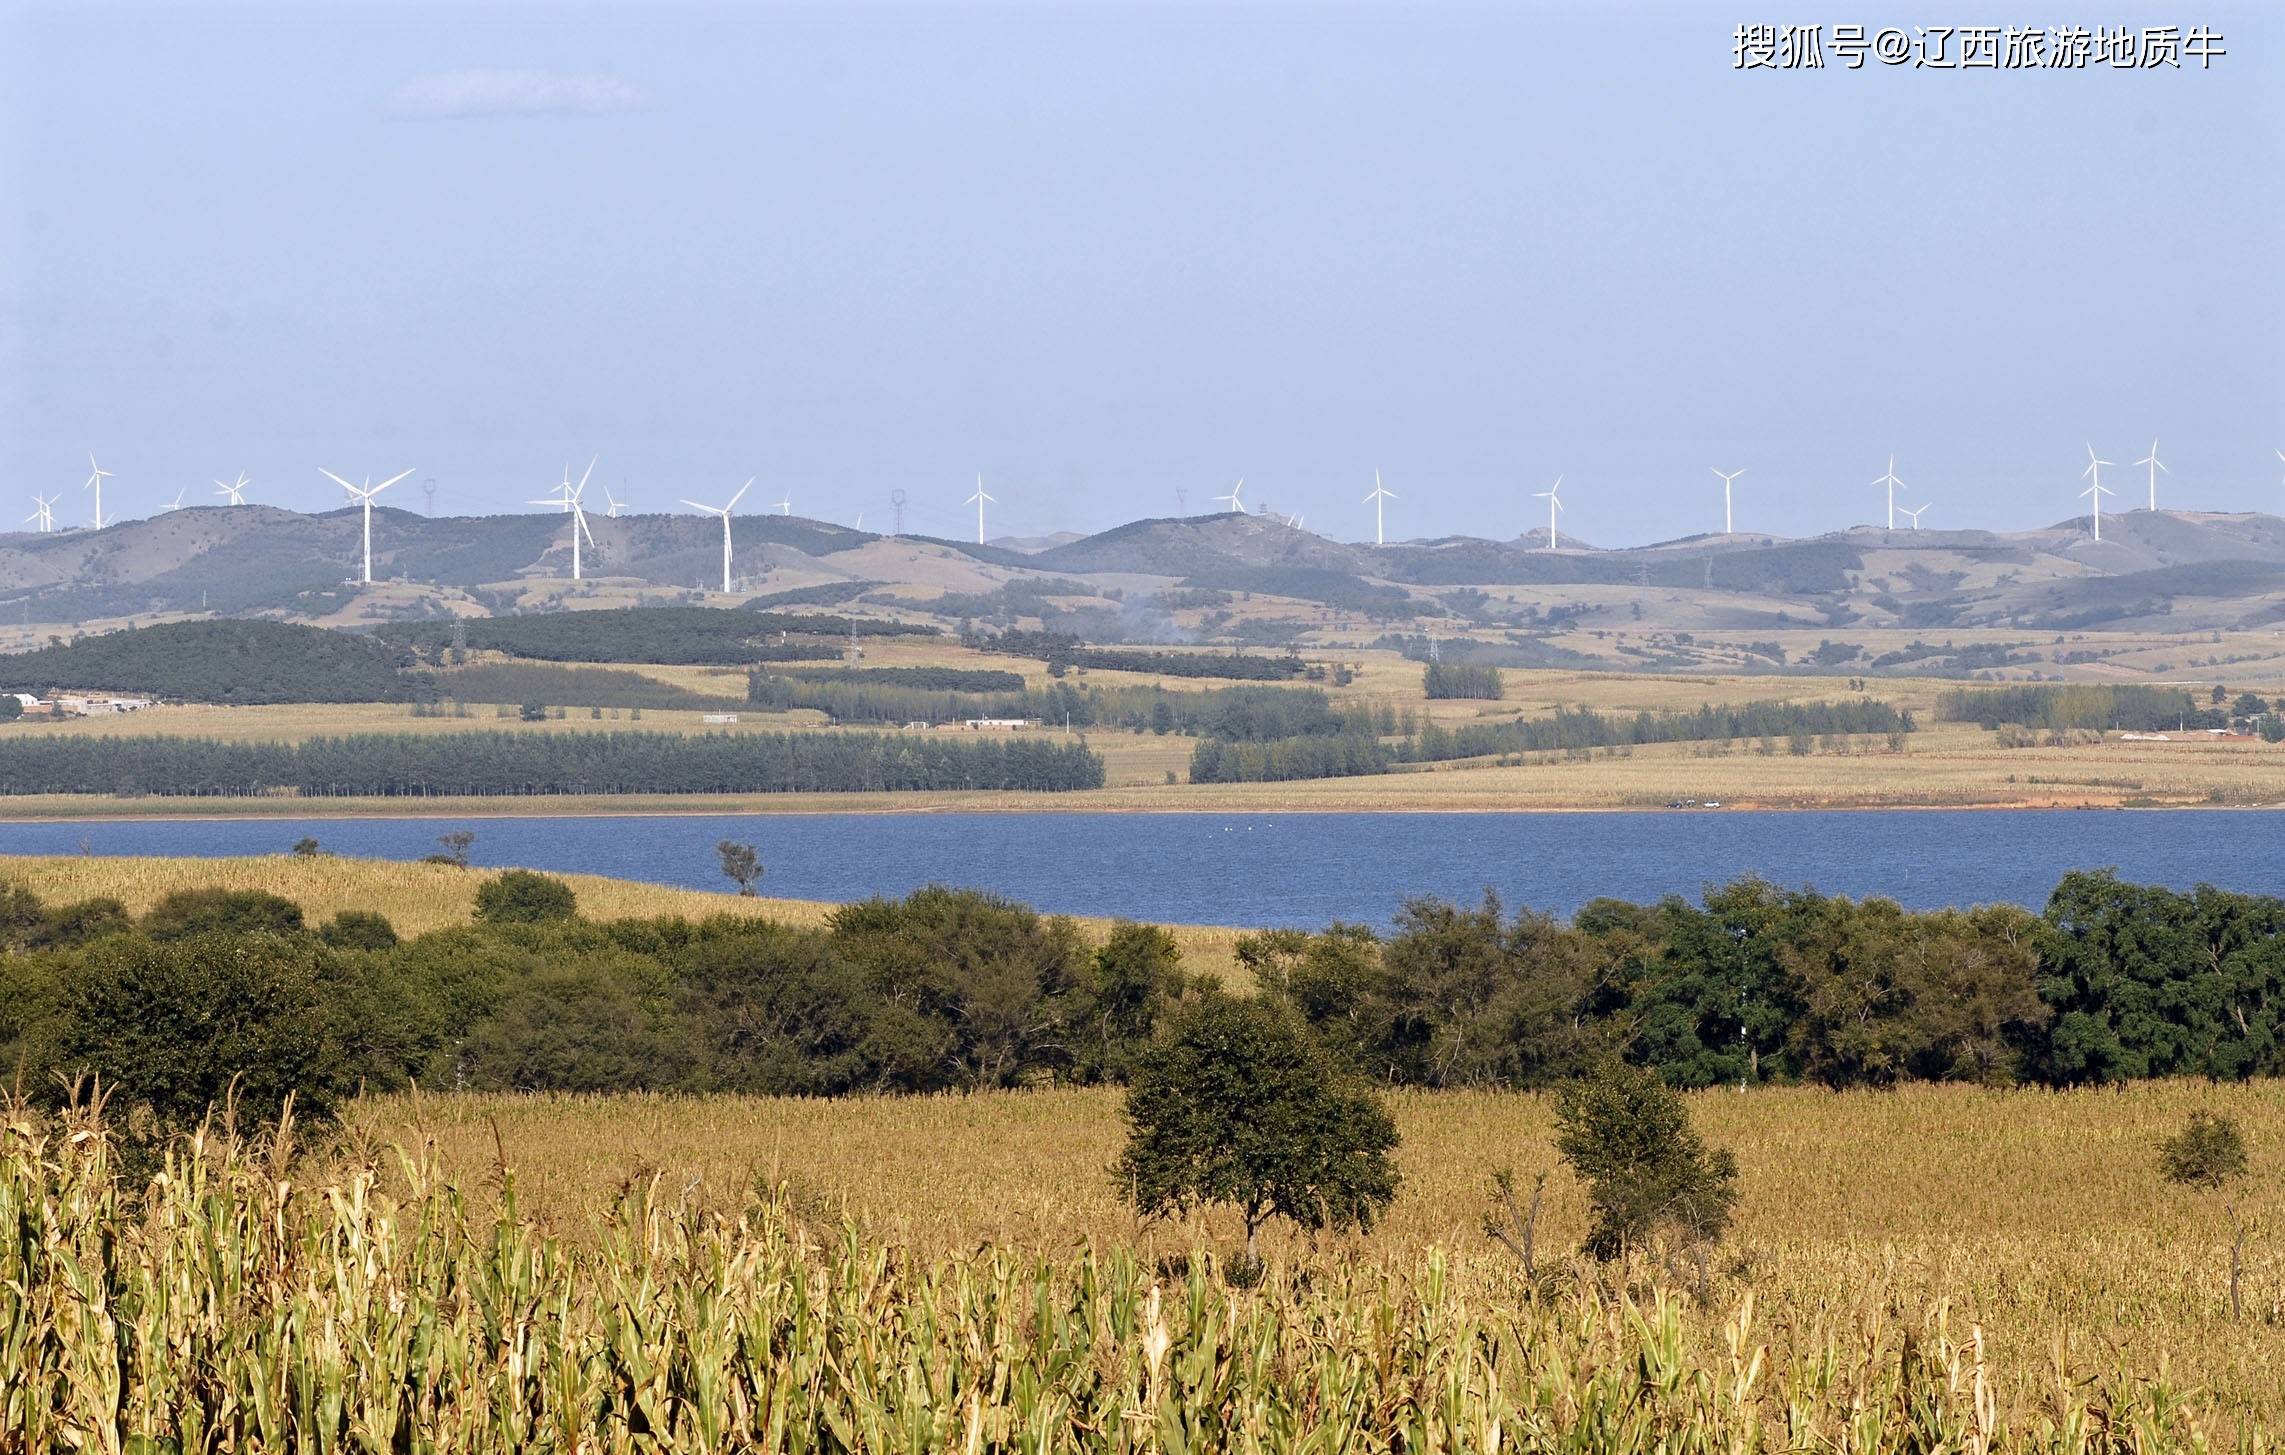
x=219, y=1305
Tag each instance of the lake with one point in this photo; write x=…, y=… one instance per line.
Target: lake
x=1296, y=869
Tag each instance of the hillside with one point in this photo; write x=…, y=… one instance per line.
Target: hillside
x=1953, y=600
x=228, y=662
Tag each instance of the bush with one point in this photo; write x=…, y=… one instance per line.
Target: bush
x=520, y=897
x=1629, y=1138
x=1238, y=1105
x=2208, y=1153
x=222, y=911
x=176, y=1027
x=359, y=929
x=82, y=924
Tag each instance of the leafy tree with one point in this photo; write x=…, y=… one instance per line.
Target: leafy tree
x=533, y=712
x=359, y=929
x=591, y=1023
x=519, y=896
x=22, y=916
x=307, y=847
x=774, y=1011
x=740, y=864
x=10, y=707
x=174, y=1027
x=2208, y=1155
x=1628, y=1137
x=1237, y=1105
x=1137, y=973
x=456, y=846
x=83, y=923
x=222, y=911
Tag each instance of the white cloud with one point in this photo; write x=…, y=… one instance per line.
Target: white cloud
x=512, y=93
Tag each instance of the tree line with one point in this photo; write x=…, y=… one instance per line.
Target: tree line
x=222, y=661
x=669, y=635
x=1457, y=679
x=1062, y=651
x=2062, y=707
x=1245, y=712
x=1361, y=750
x=954, y=989
x=481, y=764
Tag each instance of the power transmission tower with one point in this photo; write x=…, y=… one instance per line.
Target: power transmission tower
x=428, y=488
x=896, y=501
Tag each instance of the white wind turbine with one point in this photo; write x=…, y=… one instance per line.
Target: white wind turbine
x=1380, y=493
x=44, y=514
x=612, y=504
x=785, y=505
x=1893, y=485
x=363, y=494
x=2096, y=491
x=724, y=512
x=96, y=476
x=978, y=500
x=174, y=504
x=1727, y=480
x=1914, y=515
x=2155, y=465
x=236, y=490
x=569, y=497
x=1232, y=497
x=1554, y=504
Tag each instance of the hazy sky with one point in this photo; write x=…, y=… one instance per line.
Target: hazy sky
x=1104, y=252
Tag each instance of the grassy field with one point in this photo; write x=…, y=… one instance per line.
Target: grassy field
x=2039, y=1216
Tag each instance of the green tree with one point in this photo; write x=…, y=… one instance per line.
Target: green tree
x=174, y=1027
x=456, y=846
x=1628, y=1137
x=2208, y=1155
x=359, y=929
x=1238, y=1105
x=520, y=897
x=741, y=865
x=1136, y=974
x=307, y=847
x=533, y=712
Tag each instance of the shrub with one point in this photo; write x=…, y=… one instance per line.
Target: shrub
x=1629, y=1138
x=222, y=911
x=521, y=897
x=1238, y=1105
x=359, y=929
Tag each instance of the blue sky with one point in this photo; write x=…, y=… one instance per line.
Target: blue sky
x=1103, y=253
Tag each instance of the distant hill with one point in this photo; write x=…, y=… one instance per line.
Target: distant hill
x=232, y=662
x=1225, y=578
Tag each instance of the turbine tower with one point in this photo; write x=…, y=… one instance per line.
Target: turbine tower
x=44, y=513
x=2096, y=491
x=236, y=490
x=1914, y=516
x=1727, y=480
x=978, y=500
x=1554, y=503
x=96, y=476
x=363, y=494
x=570, y=500
x=1232, y=497
x=724, y=512
x=2155, y=465
x=1893, y=485
x=1380, y=493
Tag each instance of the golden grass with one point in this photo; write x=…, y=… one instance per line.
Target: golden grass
x=2039, y=1215
x=418, y=898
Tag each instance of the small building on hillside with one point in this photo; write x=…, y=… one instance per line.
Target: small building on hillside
x=989, y=725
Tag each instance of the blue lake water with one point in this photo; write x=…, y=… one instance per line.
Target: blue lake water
x=1297, y=869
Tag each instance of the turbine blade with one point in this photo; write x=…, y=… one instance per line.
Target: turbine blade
x=336, y=479
x=740, y=495
x=393, y=479
x=694, y=505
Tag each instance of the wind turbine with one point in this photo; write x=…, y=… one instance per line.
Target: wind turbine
x=1380, y=493
x=236, y=491
x=724, y=512
x=2096, y=490
x=612, y=504
x=1232, y=497
x=1554, y=503
x=2155, y=465
x=570, y=498
x=1893, y=485
x=174, y=504
x=1727, y=479
x=364, y=494
x=45, y=514
x=1914, y=515
x=785, y=506
x=978, y=500
x=96, y=476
